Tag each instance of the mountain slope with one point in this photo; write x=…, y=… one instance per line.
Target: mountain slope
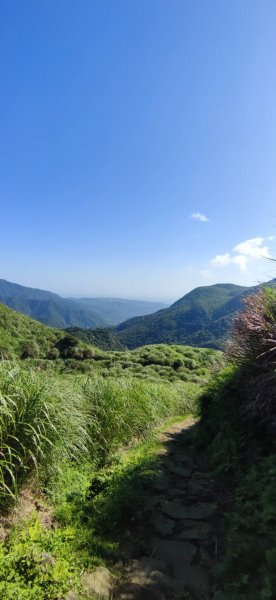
x=116, y=310
x=201, y=318
x=47, y=307
x=17, y=330
x=55, y=311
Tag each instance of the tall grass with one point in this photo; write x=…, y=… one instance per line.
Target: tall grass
x=121, y=410
x=35, y=420
x=45, y=420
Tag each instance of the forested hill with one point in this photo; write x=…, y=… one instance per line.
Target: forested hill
x=202, y=317
x=55, y=311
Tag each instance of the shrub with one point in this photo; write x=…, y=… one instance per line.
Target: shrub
x=29, y=349
x=253, y=346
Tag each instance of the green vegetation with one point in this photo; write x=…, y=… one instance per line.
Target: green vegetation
x=201, y=318
x=67, y=431
x=69, y=411
x=103, y=338
x=19, y=333
x=238, y=427
x=162, y=362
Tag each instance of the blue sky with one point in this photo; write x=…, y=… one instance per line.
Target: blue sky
x=119, y=121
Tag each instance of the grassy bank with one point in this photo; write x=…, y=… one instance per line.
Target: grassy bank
x=68, y=435
x=237, y=427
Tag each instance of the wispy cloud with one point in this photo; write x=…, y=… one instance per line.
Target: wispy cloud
x=199, y=217
x=244, y=253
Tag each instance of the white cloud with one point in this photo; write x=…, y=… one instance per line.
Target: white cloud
x=253, y=248
x=221, y=260
x=199, y=217
x=244, y=253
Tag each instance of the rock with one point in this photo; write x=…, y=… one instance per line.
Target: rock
x=3, y=533
x=184, y=460
x=160, y=483
x=176, y=492
x=174, y=553
x=133, y=591
x=163, y=525
x=46, y=558
x=99, y=583
x=152, y=501
x=199, y=483
x=205, y=558
x=176, y=510
x=181, y=471
x=195, y=579
x=71, y=596
x=145, y=579
x=194, y=530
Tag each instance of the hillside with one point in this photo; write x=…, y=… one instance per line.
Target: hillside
x=55, y=311
x=22, y=337
x=201, y=318
x=17, y=332
x=116, y=310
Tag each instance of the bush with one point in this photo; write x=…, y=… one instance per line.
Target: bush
x=29, y=349
x=253, y=347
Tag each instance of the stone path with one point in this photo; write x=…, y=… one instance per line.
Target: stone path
x=178, y=527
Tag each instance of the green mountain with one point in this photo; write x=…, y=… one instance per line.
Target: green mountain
x=201, y=318
x=55, y=311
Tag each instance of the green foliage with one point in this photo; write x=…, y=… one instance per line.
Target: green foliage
x=117, y=492
x=39, y=564
x=156, y=362
x=33, y=426
x=237, y=425
x=121, y=410
x=29, y=349
x=248, y=570
x=202, y=317
x=20, y=335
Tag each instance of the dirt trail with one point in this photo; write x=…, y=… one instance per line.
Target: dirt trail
x=176, y=530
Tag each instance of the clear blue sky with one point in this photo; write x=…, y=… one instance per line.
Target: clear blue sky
x=121, y=119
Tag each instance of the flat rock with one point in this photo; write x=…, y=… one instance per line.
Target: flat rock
x=195, y=579
x=199, y=483
x=99, y=583
x=148, y=564
x=177, y=510
x=183, y=460
x=176, y=470
x=160, y=483
x=194, y=530
x=205, y=559
x=164, y=526
x=134, y=591
x=174, y=552
x=176, y=492
x=152, y=501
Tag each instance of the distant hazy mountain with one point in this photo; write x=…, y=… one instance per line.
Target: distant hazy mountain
x=202, y=317
x=115, y=310
x=55, y=311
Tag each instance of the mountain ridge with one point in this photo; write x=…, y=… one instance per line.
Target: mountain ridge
x=55, y=311
x=203, y=317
